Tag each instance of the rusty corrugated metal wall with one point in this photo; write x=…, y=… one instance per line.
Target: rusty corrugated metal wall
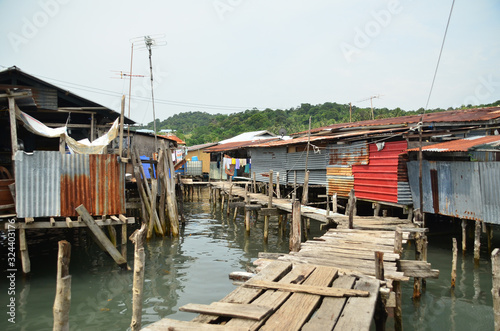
x=466, y=190
x=49, y=184
x=341, y=158
x=107, y=184
x=379, y=179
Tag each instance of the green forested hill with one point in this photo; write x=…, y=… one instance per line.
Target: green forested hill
x=200, y=127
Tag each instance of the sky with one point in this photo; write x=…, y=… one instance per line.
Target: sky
x=226, y=56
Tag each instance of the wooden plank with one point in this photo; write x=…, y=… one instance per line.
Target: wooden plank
x=274, y=299
x=272, y=272
x=92, y=225
x=297, y=309
x=309, y=289
x=170, y=324
x=240, y=310
x=123, y=218
x=329, y=312
x=62, y=224
x=69, y=222
x=358, y=312
x=114, y=218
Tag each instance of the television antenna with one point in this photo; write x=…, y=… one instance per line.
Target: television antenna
x=371, y=102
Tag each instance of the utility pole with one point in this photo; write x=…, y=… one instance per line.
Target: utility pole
x=371, y=103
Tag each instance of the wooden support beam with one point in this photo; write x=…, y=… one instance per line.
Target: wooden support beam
x=247, y=211
x=124, y=241
x=454, y=264
x=305, y=191
x=13, y=125
x=270, y=190
x=112, y=234
x=495, y=290
x=69, y=222
x=477, y=242
x=296, y=232
x=376, y=210
x=62, y=300
x=352, y=203
x=101, y=237
x=379, y=265
x=137, y=239
x=23, y=246
x=464, y=236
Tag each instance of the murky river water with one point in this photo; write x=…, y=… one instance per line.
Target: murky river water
x=195, y=268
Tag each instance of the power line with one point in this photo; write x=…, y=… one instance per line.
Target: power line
x=439, y=58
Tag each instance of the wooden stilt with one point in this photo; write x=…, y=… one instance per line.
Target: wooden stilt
x=495, y=290
x=489, y=235
x=376, y=210
x=477, y=242
x=112, y=234
x=379, y=265
x=280, y=224
x=296, y=235
x=230, y=197
x=124, y=240
x=398, y=313
x=138, y=283
x=101, y=237
x=278, y=189
x=254, y=183
x=235, y=213
x=410, y=214
x=352, y=203
x=23, y=246
x=247, y=211
x=334, y=202
x=266, y=227
x=62, y=300
x=305, y=192
x=454, y=264
x=464, y=236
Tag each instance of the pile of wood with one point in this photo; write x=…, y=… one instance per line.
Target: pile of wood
x=161, y=215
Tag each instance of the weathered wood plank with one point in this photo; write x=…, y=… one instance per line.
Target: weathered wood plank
x=272, y=272
x=240, y=310
x=358, y=312
x=309, y=289
x=297, y=309
x=170, y=324
x=329, y=312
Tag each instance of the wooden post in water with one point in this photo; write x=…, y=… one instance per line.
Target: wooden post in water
x=137, y=239
x=247, y=211
x=269, y=205
x=124, y=235
x=495, y=290
x=477, y=242
x=454, y=264
x=278, y=189
x=380, y=312
x=62, y=301
x=230, y=196
x=398, y=312
x=352, y=203
x=376, y=210
x=254, y=183
x=23, y=247
x=334, y=202
x=296, y=233
x=489, y=234
x=305, y=191
x=416, y=280
x=464, y=236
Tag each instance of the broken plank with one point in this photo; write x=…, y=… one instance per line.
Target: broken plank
x=240, y=310
x=170, y=324
x=101, y=237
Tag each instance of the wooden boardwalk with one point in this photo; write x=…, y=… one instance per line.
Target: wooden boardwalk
x=286, y=296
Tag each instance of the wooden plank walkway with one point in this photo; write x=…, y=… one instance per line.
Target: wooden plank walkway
x=352, y=308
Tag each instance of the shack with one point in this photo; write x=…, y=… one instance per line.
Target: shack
x=59, y=150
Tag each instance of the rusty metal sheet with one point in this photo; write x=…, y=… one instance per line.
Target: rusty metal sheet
x=348, y=154
x=340, y=185
x=75, y=184
x=489, y=173
x=38, y=186
x=107, y=186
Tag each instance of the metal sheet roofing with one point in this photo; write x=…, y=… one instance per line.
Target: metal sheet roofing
x=235, y=145
x=202, y=146
x=486, y=114
x=461, y=145
x=247, y=136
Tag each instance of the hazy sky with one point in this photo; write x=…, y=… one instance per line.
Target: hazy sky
x=225, y=56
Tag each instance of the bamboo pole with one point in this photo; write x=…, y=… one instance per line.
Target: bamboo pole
x=137, y=239
x=296, y=235
x=495, y=290
x=62, y=301
x=454, y=264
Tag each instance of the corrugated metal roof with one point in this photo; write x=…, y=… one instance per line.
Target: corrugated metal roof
x=379, y=179
x=38, y=185
x=461, y=145
x=235, y=145
x=249, y=136
x=202, y=146
x=172, y=137
x=455, y=116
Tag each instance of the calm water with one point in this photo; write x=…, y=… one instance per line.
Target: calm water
x=195, y=268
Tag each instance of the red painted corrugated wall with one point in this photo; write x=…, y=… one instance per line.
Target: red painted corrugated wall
x=379, y=179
